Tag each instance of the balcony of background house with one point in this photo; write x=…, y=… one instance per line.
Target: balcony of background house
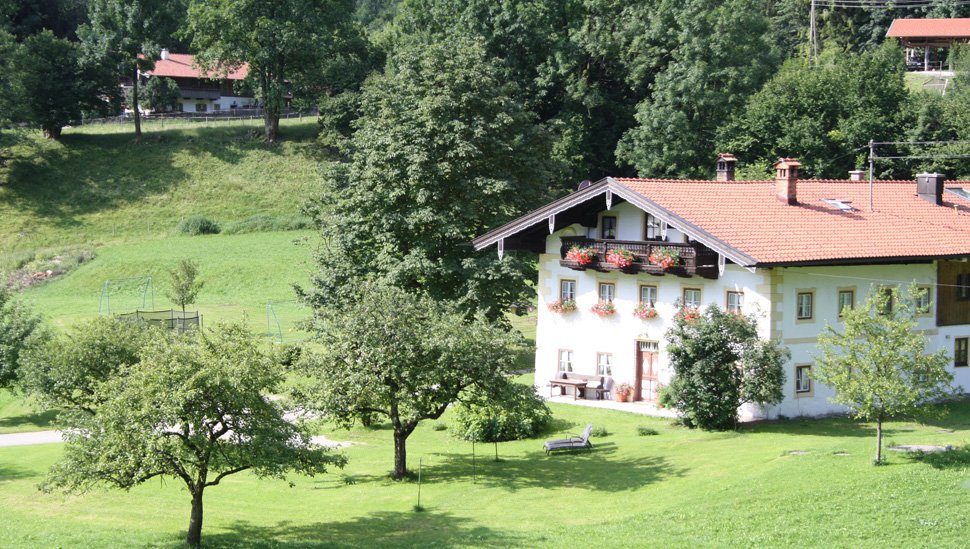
x=694, y=258
x=200, y=93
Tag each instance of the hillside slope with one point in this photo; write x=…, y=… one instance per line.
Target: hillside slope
x=98, y=187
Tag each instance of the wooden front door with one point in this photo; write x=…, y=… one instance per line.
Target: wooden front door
x=645, y=388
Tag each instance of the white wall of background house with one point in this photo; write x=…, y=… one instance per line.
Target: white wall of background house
x=771, y=294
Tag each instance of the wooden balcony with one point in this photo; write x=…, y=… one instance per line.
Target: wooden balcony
x=695, y=259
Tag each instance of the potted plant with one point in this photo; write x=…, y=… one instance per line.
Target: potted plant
x=581, y=254
x=623, y=391
x=665, y=256
x=621, y=257
x=645, y=311
x=664, y=396
x=563, y=306
x=604, y=308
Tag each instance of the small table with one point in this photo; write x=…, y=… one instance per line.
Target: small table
x=563, y=383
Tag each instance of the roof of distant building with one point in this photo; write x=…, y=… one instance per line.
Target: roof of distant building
x=917, y=28
x=179, y=65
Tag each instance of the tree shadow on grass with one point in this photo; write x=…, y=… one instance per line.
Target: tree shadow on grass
x=383, y=529
x=8, y=473
x=43, y=420
x=825, y=427
x=595, y=470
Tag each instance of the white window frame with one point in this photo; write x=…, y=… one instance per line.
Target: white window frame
x=804, y=305
x=692, y=303
x=565, y=360
x=571, y=293
x=651, y=294
x=842, y=306
x=738, y=305
x=803, y=379
x=604, y=364
x=610, y=294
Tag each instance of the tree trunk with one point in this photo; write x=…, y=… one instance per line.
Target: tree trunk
x=134, y=107
x=194, y=538
x=400, y=455
x=878, y=440
x=51, y=132
x=271, y=124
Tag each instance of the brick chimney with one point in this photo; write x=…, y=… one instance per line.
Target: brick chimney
x=725, y=166
x=857, y=175
x=929, y=187
x=786, y=180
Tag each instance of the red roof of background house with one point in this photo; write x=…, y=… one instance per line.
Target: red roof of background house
x=179, y=65
x=747, y=216
x=916, y=28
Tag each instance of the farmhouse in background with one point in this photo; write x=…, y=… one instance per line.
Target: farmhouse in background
x=794, y=252
x=208, y=92
x=928, y=35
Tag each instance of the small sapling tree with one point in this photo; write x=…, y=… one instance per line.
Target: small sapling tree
x=720, y=363
x=404, y=357
x=185, y=286
x=192, y=409
x=877, y=364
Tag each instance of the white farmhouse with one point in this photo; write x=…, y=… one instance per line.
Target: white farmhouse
x=793, y=252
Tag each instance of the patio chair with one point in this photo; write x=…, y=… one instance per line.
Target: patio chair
x=575, y=441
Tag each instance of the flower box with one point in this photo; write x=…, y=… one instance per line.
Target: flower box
x=645, y=311
x=621, y=257
x=562, y=306
x=665, y=256
x=604, y=308
x=581, y=255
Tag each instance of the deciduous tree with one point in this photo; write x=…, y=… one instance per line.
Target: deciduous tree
x=720, y=363
x=281, y=42
x=158, y=94
x=407, y=358
x=17, y=325
x=877, y=363
x=194, y=409
x=442, y=153
x=184, y=286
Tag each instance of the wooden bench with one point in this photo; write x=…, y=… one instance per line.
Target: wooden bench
x=584, y=384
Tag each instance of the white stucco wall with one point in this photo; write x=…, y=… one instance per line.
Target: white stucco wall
x=769, y=293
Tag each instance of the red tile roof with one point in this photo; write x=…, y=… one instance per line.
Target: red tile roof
x=747, y=216
x=918, y=28
x=179, y=65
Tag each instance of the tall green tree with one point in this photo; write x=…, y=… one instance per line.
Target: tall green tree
x=282, y=42
x=877, y=364
x=718, y=57
x=193, y=409
x=50, y=84
x=822, y=115
x=442, y=153
x=403, y=357
x=130, y=35
x=157, y=95
x=720, y=363
x=18, y=325
x=68, y=372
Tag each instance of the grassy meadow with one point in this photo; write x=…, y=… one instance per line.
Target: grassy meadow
x=680, y=488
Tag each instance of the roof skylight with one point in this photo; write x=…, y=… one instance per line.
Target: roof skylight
x=840, y=204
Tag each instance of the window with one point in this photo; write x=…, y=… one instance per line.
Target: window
x=651, y=228
x=200, y=107
x=216, y=106
x=963, y=287
x=960, y=351
x=609, y=227
x=846, y=300
x=692, y=298
x=648, y=294
x=735, y=301
x=804, y=306
x=803, y=381
x=567, y=290
x=604, y=364
x=649, y=346
x=923, y=300
x=607, y=291
x=565, y=360
x=180, y=107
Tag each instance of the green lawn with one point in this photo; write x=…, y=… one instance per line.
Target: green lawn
x=681, y=488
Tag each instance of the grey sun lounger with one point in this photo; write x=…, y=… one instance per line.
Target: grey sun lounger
x=575, y=441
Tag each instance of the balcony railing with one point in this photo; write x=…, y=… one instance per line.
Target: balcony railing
x=695, y=259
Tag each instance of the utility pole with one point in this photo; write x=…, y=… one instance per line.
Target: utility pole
x=872, y=156
x=813, y=35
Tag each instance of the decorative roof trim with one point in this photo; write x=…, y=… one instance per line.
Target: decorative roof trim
x=611, y=185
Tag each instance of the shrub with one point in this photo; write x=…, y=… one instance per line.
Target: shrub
x=196, y=225
x=439, y=426
x=644, y=431
x=600, y=431
x=519, y=413
x=266, y=223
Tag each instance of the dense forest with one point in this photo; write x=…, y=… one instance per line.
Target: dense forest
x=653, y=88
